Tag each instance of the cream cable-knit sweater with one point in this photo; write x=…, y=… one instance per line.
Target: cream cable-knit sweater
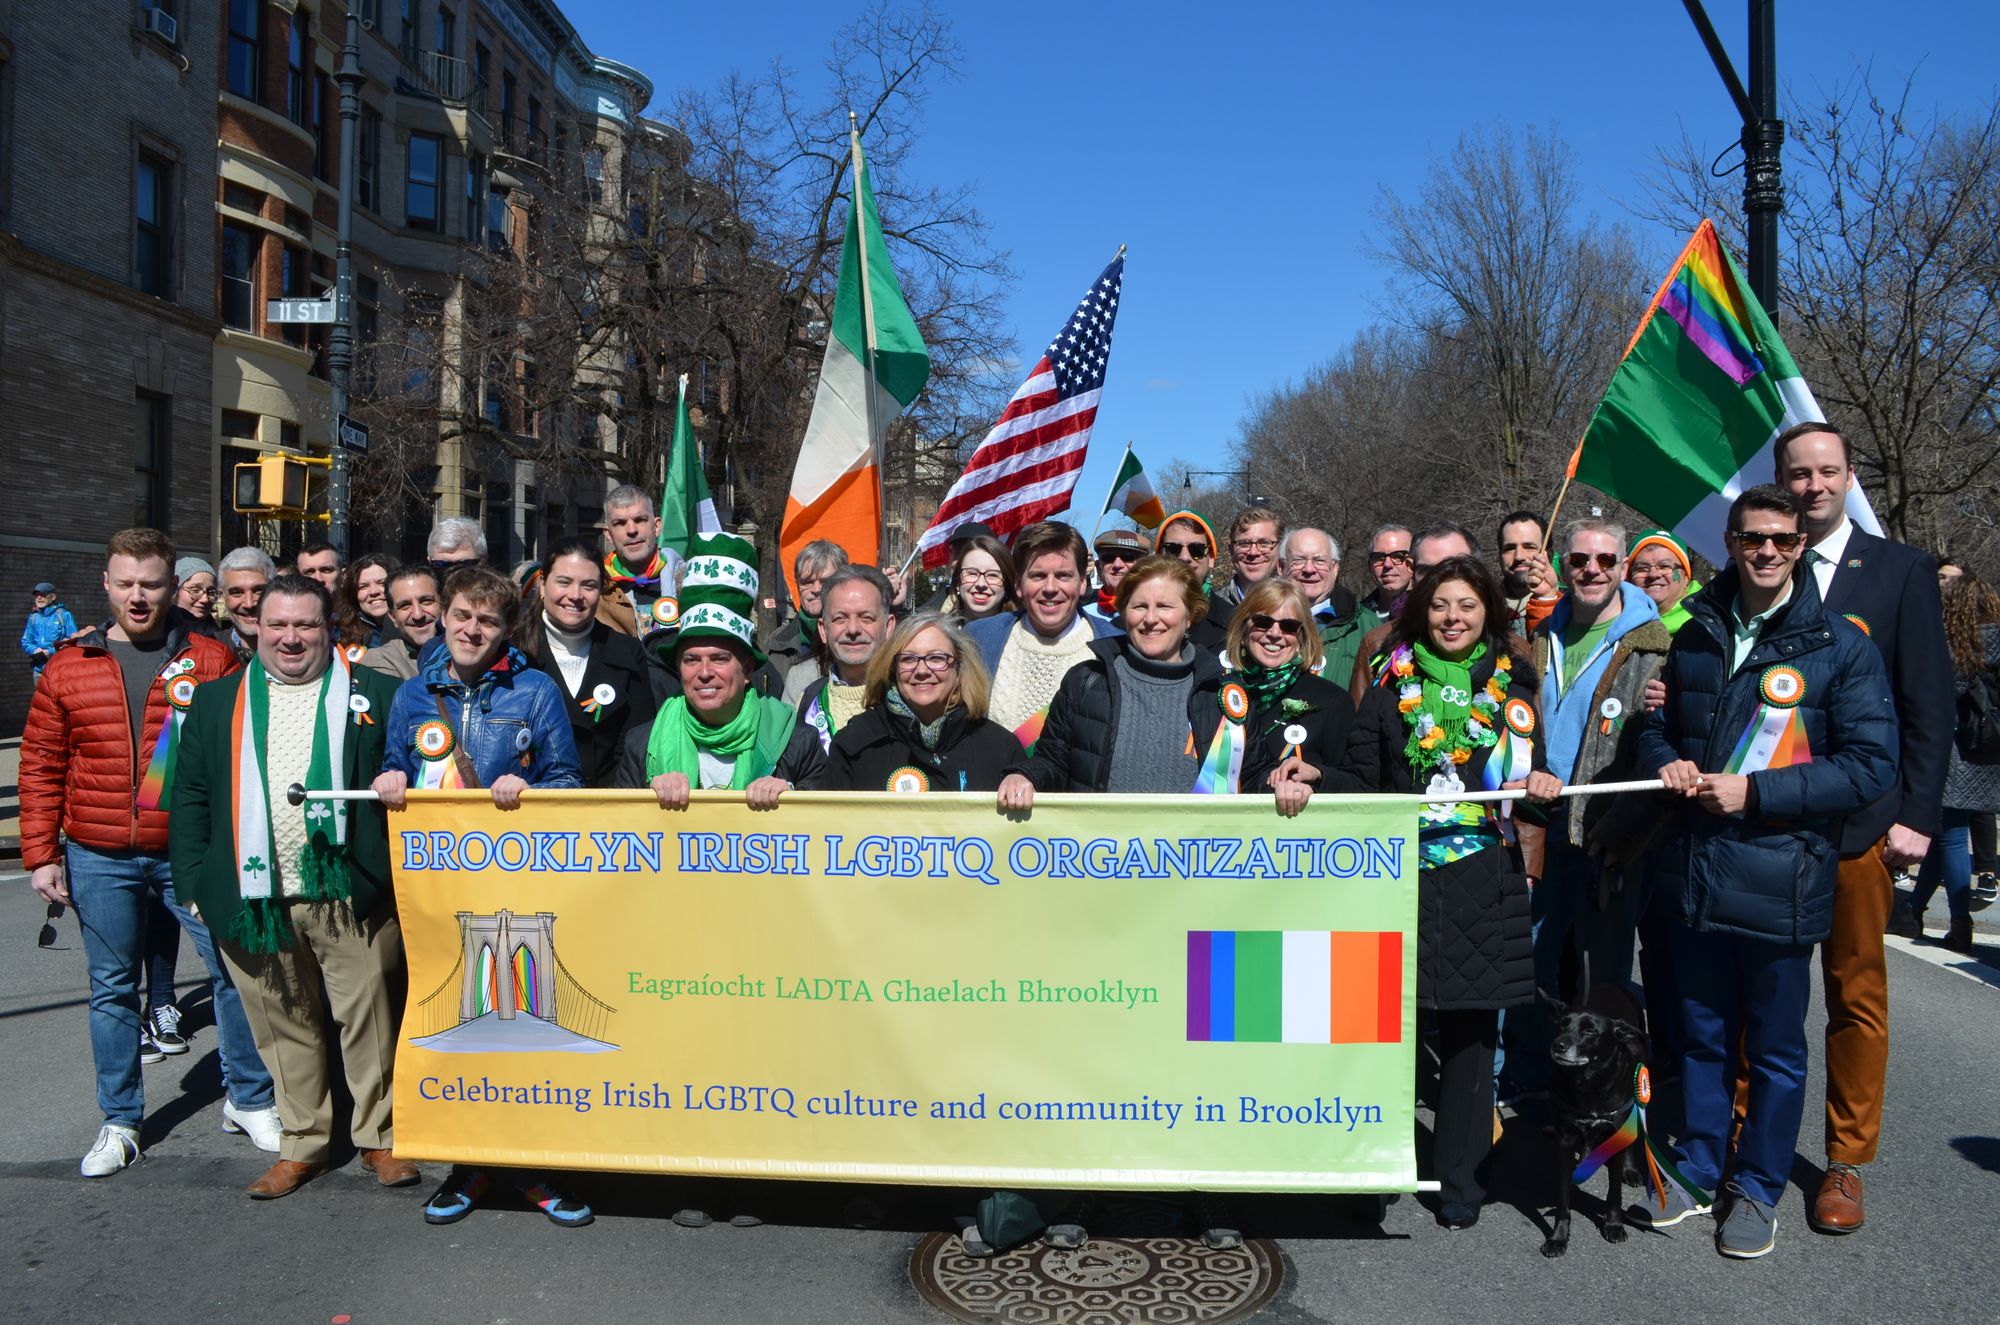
x=287, y=754
x=1030, y=671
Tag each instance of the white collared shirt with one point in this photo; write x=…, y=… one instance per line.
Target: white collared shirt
x=1825, y=555
x=1746, y=632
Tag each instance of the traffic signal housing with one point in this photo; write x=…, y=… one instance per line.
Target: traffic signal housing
x=271, y=485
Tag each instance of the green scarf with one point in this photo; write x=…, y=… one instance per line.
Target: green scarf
x=753, y=738
x=1447, y=694
x=1269, y=685
x=260, y=924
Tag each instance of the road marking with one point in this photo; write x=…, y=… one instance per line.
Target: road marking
x=1937, y=955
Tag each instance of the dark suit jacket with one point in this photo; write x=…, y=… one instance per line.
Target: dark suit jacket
x=638, y=688
x=1890, y=590
x=201, y=838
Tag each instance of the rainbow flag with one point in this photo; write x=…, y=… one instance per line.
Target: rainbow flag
x=1294, y=986
x=1688, y=419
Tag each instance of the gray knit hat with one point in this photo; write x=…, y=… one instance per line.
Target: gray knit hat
x=188, y=567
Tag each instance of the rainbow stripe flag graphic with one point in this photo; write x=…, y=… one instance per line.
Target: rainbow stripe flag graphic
x=1705, y=386
x=1293, y=986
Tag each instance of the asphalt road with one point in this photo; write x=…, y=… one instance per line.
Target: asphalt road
x=174, y=1239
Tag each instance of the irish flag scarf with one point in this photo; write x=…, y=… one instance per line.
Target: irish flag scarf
x=260, y=924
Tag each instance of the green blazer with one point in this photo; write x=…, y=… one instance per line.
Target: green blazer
x=200, y=827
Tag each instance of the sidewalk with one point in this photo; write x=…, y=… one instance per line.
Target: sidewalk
x=10, y=798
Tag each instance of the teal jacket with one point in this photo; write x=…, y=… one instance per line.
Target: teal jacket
x=200, y=839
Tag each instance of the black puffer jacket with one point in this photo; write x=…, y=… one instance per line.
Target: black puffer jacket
x=876, y=744
x=1474, y=948
x=1074, y=752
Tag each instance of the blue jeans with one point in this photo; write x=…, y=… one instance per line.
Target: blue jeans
x=1749, y=992
x=109, y=892
x=1949, y=862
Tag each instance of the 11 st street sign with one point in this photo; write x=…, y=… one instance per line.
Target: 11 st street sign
x=299, y=310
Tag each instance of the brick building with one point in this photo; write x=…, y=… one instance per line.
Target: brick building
x=107, y=295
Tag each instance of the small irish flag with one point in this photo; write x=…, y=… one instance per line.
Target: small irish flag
x=1132, y=492
x=1295, y=986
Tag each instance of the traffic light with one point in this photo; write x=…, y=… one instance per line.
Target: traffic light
x=274, y=484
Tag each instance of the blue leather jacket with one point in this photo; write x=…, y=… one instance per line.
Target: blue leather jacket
x=514, y=720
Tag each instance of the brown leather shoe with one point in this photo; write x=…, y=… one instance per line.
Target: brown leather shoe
x=1837, y=1208
x=283, y=1178
x=390, y=1171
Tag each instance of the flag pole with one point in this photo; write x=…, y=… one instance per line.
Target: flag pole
x=875, y=440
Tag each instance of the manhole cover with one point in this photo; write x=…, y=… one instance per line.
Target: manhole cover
x=1107, y=1281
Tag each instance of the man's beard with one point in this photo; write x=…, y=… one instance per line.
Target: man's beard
x=1514, y=584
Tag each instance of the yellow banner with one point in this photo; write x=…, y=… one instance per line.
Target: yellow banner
x=1166, y=992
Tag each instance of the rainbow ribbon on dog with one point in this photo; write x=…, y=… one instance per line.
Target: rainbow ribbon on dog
x=1660, y=1169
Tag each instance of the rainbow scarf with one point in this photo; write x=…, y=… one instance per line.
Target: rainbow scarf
x=1030, y=729
x=625, y=577
x=1660, y=1170
x=260, y=924
x=159, y=777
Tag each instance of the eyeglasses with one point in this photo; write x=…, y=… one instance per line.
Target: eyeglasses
x=981, y=577
x=445, y=568
x=1198, y=548
x=1285, y=626
x=934, y=662
x=1582, y=560
x=1648, y=569
x=1750, y=540
x=47, y=937
x=1400, y=557
x=1316, y=563
x=209, y=594
x=1254, y=544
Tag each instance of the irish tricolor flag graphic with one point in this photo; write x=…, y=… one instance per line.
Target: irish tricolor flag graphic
x=1295, y=986
x=1687, y=422
x=1132, y=493
x=875, y=364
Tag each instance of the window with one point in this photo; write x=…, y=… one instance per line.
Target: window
x=246, y=46
x=298, y=74
x=475, y=198
x=500, y=523
x=593, y=173
x=409, y=38
x=493, y=394
x=482, y=71
x=323, y=146
x=288, y=436
x=149, y=461
x=152, y=204
x=367, y=330
x=496, y=220
x=447, y=31
x=243, y=198
x=293, y=284
x=239, y=425
x=368, y=160
x=239, y=276
x=420, y=181
x=534, y=128
x=507, y=109
x=298, y=222
x=371, y=12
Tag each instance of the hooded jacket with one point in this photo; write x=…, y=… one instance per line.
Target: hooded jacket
x=1570, y=705
x=1769, y=873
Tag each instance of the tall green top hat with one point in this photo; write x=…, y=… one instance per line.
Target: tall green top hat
x=718, y=595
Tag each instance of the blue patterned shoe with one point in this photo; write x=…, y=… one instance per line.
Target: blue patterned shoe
x=559, y=1208
x=462, y=1190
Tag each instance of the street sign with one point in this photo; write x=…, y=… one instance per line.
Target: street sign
x=353, y=436
x=299, y=310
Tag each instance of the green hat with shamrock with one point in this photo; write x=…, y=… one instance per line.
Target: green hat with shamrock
x=718, y=593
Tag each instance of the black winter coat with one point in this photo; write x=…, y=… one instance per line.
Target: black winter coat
x=1474, y=944
x=876, y=744
x=1327, y=724
x=1769, y=874
x=637, y=688
x=1074, y=752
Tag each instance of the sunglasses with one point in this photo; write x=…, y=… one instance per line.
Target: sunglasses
x=1582, y=560
x=1122, y=553
x=1198, y=548
x=1402, y=558
x=1751, y=540
x=1283, y=625
x=47, y=937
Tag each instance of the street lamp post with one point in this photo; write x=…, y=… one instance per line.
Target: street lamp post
x=1763, y=139
x=340, y=348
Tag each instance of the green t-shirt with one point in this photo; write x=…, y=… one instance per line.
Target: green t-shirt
x=1578, y=646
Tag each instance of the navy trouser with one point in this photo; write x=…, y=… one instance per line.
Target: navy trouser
x=1734, y=988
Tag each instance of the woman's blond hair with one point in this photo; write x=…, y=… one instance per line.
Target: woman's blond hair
x=972, y=689
x=1262, y=599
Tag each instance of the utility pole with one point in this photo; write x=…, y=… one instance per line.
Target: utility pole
x=340, y=349
x=1763, y=139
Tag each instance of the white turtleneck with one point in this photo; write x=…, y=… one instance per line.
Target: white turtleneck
x=571, y=652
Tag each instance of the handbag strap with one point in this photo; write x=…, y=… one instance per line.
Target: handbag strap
x=466, y=773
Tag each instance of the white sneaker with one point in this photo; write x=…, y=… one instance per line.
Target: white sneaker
x=260, y=1125
x=117, y=1145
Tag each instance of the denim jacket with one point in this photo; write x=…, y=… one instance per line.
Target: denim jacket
x=515, y=720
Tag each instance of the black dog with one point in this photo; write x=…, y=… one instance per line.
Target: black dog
x=1598, y=1047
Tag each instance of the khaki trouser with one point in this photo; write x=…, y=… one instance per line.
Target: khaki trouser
x=357, y=967
x=1857, y=1007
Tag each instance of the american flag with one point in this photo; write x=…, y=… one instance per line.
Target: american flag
x=1026, y=467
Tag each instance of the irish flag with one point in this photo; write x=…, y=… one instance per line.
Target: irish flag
x=1295, y=986
x=686, y=509
x=875, y=364
x=1688, y=420
x=1132, y=492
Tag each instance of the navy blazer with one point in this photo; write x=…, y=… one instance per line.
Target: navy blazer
x=1890, y=590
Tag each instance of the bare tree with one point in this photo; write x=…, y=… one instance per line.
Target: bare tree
x=1889, y=294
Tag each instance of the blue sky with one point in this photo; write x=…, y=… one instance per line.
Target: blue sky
x=1240, y=151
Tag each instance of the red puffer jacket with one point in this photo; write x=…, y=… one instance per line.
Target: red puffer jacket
x=79, y=771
